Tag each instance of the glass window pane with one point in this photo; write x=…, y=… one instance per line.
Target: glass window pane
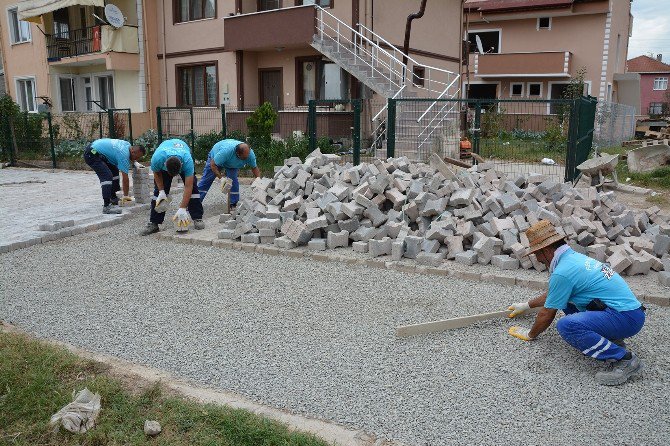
x=198, y=86
x=308, y=81
x=110, y=91
x=183, y=11
x=30, y=96
x=209, y=8
x=186, y=86
x=196, y=9
x=23, y=102
x=66, y=93
x=14, y=22
x=211, y=85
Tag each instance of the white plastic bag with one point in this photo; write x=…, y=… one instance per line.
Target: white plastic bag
x=79, y=415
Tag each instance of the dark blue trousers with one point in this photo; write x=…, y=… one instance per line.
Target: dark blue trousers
x=194, y=204
x=108, y=174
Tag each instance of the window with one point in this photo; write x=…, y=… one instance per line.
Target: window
x=490, y=41
x=661, y=83
x=322, y=3
x=418, y=76
x=67, y=98
x=106, y=92
x=88, y=94
x=516, y=89
x=268, y=5
x=18, y=29
x=25, y=94
x=534, y=89
x=189, y=10
x=61, y=23
x=197, y=85
x=543, y=23
x=320, y=80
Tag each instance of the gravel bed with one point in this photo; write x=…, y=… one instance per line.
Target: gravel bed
x=318, y=339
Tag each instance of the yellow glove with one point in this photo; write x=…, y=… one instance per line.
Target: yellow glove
x=521, y=333
x=518, y=308
x=183, y=218
x=128, y=199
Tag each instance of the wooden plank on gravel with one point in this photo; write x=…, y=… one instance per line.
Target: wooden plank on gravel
x=450, y=324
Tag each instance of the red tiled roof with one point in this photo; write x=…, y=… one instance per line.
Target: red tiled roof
x=646, y=64
x=507, y=5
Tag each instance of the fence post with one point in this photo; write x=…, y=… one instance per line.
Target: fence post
x=477, y=129
x=100, y=123
x=159, y=125
x=110, y=121
x=224, y=129
x=192, y=132
x=130, y=126
x=573, y=135
x=51, y=140
x=390, y=128
x=357, y=131
x=311, y=125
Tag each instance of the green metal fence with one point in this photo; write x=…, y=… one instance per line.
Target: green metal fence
x=33, y=139
x=517, y=136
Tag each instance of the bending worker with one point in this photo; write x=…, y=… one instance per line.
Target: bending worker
x=171, y=158
x=226, y=158
x=600, y=309
x=107, y=157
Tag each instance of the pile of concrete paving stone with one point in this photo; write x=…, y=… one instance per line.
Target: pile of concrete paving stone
x=430, y=213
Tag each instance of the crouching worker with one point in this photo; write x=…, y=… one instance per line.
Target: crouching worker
x=226, y=158
x=108, y=158
x=600, y=309
x=173, y=157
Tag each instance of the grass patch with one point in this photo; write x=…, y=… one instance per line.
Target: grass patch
x=36, y=380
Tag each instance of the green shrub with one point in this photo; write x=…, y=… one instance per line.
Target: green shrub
x=260, y=125
x=204, y=143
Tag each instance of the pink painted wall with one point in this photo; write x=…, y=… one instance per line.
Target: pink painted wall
x=647, y=92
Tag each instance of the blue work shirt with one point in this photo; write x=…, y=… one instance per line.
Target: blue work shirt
x=224, y=156
x=173, y=147
x=117, y=152
x=578, y=279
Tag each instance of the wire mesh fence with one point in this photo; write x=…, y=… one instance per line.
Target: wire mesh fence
x=614, y=124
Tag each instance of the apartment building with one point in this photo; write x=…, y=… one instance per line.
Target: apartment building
x=64, y=54
x=530, y=49
x=654, y=90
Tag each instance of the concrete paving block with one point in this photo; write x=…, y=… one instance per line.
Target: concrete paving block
x=585, y=238
x=254, y=238
x=505, y=262
x=396, y=197
x=413, y=246
x=462, y=197
x=352, y=209
x=337, y=239
x=661, y=245
x=268, y=240
x=393, y=228
x=376, y=216
x=228, y=234
x=284, y=242
x=381, y=247
x=431, y=246
x=361, y=247
x=430, y=259
x=316, y=223
x=619, y=261
x=268, y=223
x=397, y=250
x=224, y=218
x=317, y=244
x=267, y=232
x=349, y=225
x=468, y=257
x=664, y=278
x=502, y=224
x=292, y=204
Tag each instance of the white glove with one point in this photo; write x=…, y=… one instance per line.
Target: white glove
x=518, y=308
x=183, y=218
x=162, y=202
x=226, y=185
x=521, y=333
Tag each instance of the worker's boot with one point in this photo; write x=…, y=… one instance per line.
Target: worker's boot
x=111, y=209
x=198, y=224
x=621, y=371
x=151, y=228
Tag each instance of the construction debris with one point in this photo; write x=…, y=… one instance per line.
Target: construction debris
x=648, y=157
x=431, y=213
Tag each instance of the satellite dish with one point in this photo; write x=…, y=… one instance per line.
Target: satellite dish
x=114, y=16
x=480, y=47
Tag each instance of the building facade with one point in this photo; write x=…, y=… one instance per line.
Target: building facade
x=654, y=91
x=531, y=49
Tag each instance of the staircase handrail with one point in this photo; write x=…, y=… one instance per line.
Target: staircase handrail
x=440, y=96
x=395, y=96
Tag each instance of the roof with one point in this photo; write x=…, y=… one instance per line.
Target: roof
x=646, y=64
x=516, y=5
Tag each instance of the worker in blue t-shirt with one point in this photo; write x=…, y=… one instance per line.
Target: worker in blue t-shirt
x=226, y=158
x=108, y=157
x=600, y=309
x=173, y=157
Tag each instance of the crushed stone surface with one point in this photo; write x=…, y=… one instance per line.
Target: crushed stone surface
x=318, y=339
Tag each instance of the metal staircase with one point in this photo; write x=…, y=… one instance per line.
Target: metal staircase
x=379, y=65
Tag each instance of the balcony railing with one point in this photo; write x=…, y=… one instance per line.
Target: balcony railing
x=78, y=42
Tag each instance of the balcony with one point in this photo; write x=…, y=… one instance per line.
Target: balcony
x=537, y=64
x=117, y=48
x=267, y=30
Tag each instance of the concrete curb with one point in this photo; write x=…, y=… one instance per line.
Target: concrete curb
x=329, y=432
x=72, y=227
x=205, y=239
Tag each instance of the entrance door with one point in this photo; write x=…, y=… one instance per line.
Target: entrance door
x=270, y=87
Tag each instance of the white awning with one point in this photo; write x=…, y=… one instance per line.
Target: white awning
x=31, y=10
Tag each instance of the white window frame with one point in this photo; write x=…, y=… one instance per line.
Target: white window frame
x=11, y=26
x=17, y=81
x=75, y=96
x=498, y=30
x=544, y=29
x=96, y=90
x=588, y=86
x=539, y=96
x=660, y=81
x=511, y=89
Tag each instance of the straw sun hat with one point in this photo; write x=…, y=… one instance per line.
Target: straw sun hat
x=541, y=235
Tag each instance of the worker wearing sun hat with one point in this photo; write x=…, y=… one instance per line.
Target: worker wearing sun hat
x=600, y=309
